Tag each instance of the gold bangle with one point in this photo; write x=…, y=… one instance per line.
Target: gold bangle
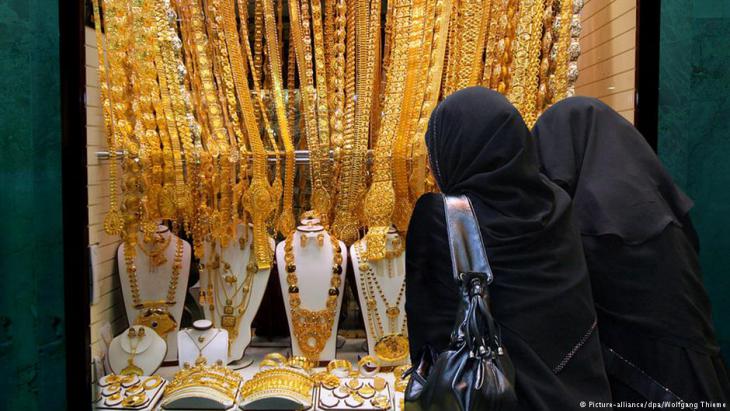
x=152, y=382
x=266, y=364
x=276, y=357
x=135, y=389
x=363, y=364
x=366, y=391
x=301, y=363
x=339, y=365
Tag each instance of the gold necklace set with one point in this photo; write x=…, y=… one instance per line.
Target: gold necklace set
x=221, y=278
x=200, y=346
x=390, y=346
x=135, y=336
x=156, y=314
x=312, y=328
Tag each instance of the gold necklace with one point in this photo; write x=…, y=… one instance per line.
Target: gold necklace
x=156, y=254
x=155, y=314
x=136, y=336
x=391, y=346
x=230, y=312
x=312, y=328
x=200, y=359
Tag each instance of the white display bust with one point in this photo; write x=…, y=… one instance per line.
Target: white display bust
x=143, y=347
x=314, y=271
x=202, y=343
x=390, y=276
x=154, y=281
x=238, y=256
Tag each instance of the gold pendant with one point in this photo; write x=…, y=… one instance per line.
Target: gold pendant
x=392, y=312
x=159, y=319
x=230, y=324
x=132, y=369
x=392, y=348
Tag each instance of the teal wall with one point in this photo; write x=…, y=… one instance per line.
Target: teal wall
x=32, y=353
x=694, y=131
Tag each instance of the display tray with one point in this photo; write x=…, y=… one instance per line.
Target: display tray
x=153, y=398
x=338, y=399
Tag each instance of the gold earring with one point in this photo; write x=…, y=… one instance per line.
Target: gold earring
x=141, y=332
x=132, y=333
x=320, y=239
x=303, y=240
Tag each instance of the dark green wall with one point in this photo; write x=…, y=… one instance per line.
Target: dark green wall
x=32, y=352
x=694, y=131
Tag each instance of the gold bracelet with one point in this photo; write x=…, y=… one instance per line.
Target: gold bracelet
x=152, y=382
x=368, y=361
x=337, y=366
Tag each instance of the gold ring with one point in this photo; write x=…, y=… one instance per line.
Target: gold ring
x=152, y=382
x=381, y=402
x=340, y=368
x=134, y=400
x=366, y=361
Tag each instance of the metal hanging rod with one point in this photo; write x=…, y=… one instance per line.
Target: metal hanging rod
x=300, y=156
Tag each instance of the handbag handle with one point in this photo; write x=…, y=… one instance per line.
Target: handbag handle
x=465, y=238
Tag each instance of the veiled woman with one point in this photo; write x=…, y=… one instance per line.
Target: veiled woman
x=479, y=146
x=641, y=250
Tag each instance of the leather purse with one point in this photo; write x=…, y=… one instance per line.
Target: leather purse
x=474, y=372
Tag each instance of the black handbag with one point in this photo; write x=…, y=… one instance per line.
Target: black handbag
x=474, y=372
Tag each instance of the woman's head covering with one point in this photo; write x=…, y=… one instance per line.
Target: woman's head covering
x=479, y=145
x=616, y=180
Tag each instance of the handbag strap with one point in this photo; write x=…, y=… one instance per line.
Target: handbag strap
x=465, y=238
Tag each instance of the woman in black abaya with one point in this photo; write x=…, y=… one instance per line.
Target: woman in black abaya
x=479, y=146
x=641, y=249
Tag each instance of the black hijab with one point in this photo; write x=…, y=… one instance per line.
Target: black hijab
x=479, y=146
x=617, y=183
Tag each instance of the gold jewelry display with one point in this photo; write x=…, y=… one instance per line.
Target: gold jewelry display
x=155, y=314
x=393, y=345
x=187, y=99
x=312, y=328
x=209, y=381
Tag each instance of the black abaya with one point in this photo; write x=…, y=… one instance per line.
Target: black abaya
x=479, y=146
x=641, y=251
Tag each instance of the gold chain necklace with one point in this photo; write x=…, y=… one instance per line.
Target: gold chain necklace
x=391, y=346
x=200, y=360
x=312, y=328
x=231, y=312
x=155, y=314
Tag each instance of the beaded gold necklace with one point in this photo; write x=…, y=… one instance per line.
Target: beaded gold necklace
x=393, y=345
x=312, y=328
x=155, y=314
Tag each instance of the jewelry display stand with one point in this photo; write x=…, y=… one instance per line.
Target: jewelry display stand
x=144, y=350
x=314, y=271
x=202, y=343
x=141, y=394
x=245, y=292
x=154, y=283
x=381, y=292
